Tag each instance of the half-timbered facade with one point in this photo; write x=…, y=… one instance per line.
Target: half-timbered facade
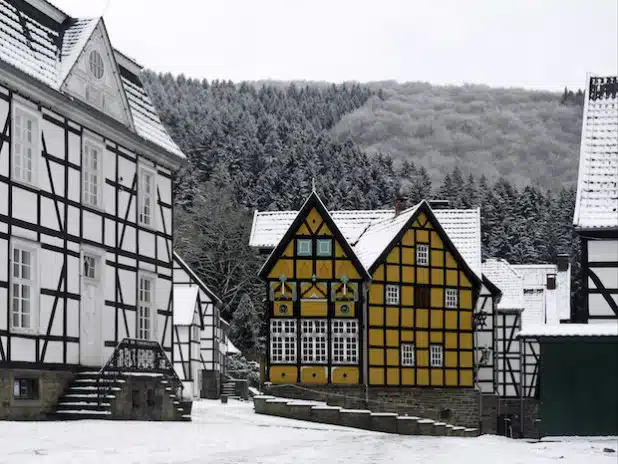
x=85, y=200
x=197, y=340
x=596, y=207
x=485, y=317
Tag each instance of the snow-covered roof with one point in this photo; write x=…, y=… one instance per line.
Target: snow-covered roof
x=215, y=299
x=508, y=280
x=185, y=299
x=597, y=187
x=231, y=348
x=47, y=46
x=570, y=330
x=463, y=227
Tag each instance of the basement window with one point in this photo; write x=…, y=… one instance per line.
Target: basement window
x=26, y=389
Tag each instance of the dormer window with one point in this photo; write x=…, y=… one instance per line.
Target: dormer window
x=97, y=68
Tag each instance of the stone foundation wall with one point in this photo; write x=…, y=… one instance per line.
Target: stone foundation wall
x=457, y=406
x=143, y=398
x=496, y=409
x=52, y=385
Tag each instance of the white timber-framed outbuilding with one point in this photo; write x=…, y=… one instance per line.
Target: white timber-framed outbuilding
x=86, y=171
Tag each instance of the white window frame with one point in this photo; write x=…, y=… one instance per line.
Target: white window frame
x=392, y=294
x=32, y=282
x=436, y=355
x=142, y=304
x=422, y=254
x=35, y=146
x=283, y=341
x=314, y=341
x=300, y=252
x=451, y=298
x=143, y=169
x=320, y=252
x=90, y=143
x=408, y=355
x=344, y=341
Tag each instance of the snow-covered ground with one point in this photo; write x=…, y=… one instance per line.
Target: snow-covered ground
x=234, y=434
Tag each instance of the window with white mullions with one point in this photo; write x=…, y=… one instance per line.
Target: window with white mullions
x=92, y=174
x=436, y=355
x=422, y=255
x=25, y=145
x=22, y=288
x=450, y=297
x=314, y=338
x=344, y=341
x=392, y=294
x=408, y=355
x=283, y=341
x=145, y=308
x=146, y=197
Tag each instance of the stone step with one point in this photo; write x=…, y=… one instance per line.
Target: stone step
x=85, y=405
x=75, y=414
x=86, y=396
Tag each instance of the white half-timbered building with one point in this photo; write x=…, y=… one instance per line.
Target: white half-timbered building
x=596, y=207
x=85, y=204
x=197, y=333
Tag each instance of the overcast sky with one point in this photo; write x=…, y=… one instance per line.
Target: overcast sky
x=526, y=43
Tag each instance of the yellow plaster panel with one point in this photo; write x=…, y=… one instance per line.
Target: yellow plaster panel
x=465, y=341
x=466, y=378
x=465, y=320
x=325, y=231
x=450, y=341
x=465, y=359
x=289, y=250
x=351, y=309
x=303, y=230
x=407, y=256
x=407, y=295
x=283, y=374
x=376, y=376
x=422, y=219
x=324, y=269
x=376, y=337
x=408, y=238
x=450, y=358
x=392, y=317
x=436, y=241
x=437, y=258
x=407, y=274
x=376, y=356
x=436, y=337
x=283, y=308
x=422, y=318
x=436, y=378
x=393, y=256
x=407, y=335
x=392, y=273
x=304, y=269
x=451, y=320
x=392, y=337
x=465, y=299
x=422, y=275
x=437, y=298
x=463, y=280
x=309, y=308
x=376, y=294
x=407, y=317
x=392, y=376
x=345, y=268
x=436, y=318
x=450, y=261
x=422, y=236
x=422, y=377
x=392, y=357
x=339, y=253
x=451, y=278
x=376, y=315
x=437, y=277
x=282, y=267
x=450, y=377
x=407, y=376
x=422, y=357
x=314, y=220
x=345, y=375
x=378, y=274
x=313, y=374
x=422, y=339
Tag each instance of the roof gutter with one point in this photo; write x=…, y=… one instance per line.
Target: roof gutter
x=28, y=86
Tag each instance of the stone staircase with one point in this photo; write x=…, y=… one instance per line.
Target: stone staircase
x=81, y=400
x=228, y=389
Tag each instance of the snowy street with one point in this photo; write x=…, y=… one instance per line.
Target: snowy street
x=233, y=433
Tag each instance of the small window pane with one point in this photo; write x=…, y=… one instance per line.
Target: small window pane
x=422, y=255
x=325, y=247
x=392, y=294
x=303, y=247
x=450, y=297
x=436, y=355
x=407, y=354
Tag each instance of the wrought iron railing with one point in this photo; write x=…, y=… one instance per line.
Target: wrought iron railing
x=137, y=356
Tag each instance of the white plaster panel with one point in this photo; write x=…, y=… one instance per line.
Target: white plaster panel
x=54, y=138
x=58, y=322
x=127, y=261
x=207, y=344
x=4, y=196
x=167, y=218
x=129, y=241
x=127, y=283
x=73, y=246
x=73, y=318
x=49, y=218
x=23, y=349
x=24, y=205
x=165, y=189
x=73, y=353
x=603, y=250
x=23, y=233
x=73, y=273
x=597, y=306
x=110, y=233
x=53, y=354
x=207, y=332
x=607, y=275
x=4, y=256
x=109, y=283
x=75, y=149
x=147, y=267
x=74, y=185
x=147, y=244
x=207, y=355
x=46, y=304
x=73, y=221
x=208, y=320
x=4, y=227
x=180, y=276
x=4, y=153
x=126, y=172
x=92, y=226
x=107, y=323
x=3, y=309
x=51, y=268
x=57, y=176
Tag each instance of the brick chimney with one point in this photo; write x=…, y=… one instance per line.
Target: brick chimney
x=400, y=205
x=563, y=262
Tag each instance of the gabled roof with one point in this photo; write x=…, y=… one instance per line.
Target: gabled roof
x=597, y=180
x=43, y=42
x=509, y=281
x=608, y=329
x=311, y=202
x=185, y=301
x=215, y=299
x=463, y=227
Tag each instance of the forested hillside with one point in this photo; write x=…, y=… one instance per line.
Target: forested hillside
x=259, y=147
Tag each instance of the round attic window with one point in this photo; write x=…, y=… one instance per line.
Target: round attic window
x=96, y=64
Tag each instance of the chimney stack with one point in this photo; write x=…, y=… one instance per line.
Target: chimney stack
x=563, y=262
x=400, y=205
x=438, y=204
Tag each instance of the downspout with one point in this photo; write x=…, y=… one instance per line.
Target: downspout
x=522, y=386
x=365, y=333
